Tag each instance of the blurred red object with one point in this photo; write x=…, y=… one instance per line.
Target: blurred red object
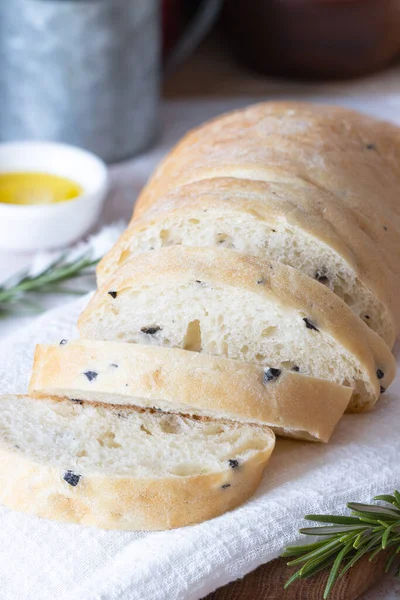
x=314, y=38
x=172, y=24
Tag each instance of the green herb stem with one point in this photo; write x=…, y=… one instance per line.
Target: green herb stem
x=20, y=289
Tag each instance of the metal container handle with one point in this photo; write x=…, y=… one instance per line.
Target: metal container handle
x=197, y=29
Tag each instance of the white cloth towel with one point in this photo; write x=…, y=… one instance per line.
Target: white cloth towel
x=42, y=560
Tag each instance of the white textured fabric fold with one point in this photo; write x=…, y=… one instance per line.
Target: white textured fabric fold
x=47, y=560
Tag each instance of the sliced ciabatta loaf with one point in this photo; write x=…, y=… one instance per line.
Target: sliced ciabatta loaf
x=174, y=380
x=296, y=225
x=224, y=303
x=119, y=468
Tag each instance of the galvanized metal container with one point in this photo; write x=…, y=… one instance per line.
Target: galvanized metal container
x=85, y=72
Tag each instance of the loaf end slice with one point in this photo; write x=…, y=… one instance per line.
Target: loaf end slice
x=117, y=468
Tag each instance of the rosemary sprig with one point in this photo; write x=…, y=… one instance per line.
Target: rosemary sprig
x=20, y=288
x=370, y=529
x=51, y=273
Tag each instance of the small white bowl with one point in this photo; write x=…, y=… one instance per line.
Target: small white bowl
x=44, y=226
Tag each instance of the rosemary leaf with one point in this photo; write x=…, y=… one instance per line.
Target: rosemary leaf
x=373, y=511
x=331, y=530
x=335, y=568
x=386, y=498
x=339, y=520
x=386, y=535
x=293, y=578
x=294, y=550
x=390, y=562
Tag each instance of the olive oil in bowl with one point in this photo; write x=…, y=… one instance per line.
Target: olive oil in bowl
x=27, y=188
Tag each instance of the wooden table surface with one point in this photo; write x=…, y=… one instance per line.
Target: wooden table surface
x=267, y=583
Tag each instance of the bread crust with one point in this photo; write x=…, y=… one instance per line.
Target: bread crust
x=175, y=380
x=305, y=207
x=312, y=143
x=179, y=265
x=120, y=502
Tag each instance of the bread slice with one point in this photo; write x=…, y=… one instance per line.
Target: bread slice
x=290, y=224
x=193, y=383
x=224, y=303
x=119, y=468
